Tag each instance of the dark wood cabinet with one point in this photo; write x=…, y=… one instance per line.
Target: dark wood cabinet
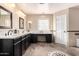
x=24, y=38
x=14, y=47
x=18, y=45
x=48, y=38
x=6, y=47
x=17, y=48
x=28, y=41
x=33, y=38
x=23, y=46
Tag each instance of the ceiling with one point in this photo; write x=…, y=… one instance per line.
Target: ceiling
x=43, y=8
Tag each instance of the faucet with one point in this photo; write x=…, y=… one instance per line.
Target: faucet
x=10, y=32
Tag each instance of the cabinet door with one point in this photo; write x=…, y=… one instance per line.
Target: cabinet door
x=6, y=46
x=48, y=38
x=17, y=49
x=27, y=42
x=23, y=46
x=34, y=38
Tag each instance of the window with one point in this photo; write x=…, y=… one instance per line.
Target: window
x=43, y=25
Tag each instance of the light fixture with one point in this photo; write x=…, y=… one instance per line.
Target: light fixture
x=30, y=22
x=29, y=25
x=10, y=5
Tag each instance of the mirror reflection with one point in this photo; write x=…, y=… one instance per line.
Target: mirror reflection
x=5, y=18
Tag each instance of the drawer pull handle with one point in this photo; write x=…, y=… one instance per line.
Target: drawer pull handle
x=17, y=42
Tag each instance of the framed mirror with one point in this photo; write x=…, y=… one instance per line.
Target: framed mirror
x=21, y=23
x=5, y=18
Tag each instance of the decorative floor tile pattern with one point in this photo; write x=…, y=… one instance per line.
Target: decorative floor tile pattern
x=43, y=49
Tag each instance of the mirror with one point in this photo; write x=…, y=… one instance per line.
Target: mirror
x=5, y=18
x=21, y=23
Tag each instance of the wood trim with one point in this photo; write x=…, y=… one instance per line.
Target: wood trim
x=73, y=31
x=76, y=33
x=69, y=31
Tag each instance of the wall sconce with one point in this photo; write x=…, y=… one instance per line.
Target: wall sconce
x=30, y=22
x=29, y=25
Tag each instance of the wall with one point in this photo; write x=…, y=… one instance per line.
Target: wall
x=73, y=24
x=73, y=18
x=35, y=17
x=15, y=19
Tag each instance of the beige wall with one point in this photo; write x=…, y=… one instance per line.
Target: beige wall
x=73, y=24
x=35, y=17
x=15, y=19
x=73, y=18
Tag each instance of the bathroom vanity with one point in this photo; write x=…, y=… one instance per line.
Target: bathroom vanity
x=17, y=45
x=34, y=36
x=14, y=46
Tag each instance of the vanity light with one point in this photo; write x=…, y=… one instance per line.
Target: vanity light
x=29, y=25
x=12, y=5
x=30, y=22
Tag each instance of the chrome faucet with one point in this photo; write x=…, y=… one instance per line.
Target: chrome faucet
x=10, y=32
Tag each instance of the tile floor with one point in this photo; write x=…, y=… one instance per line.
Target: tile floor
x=43, y=49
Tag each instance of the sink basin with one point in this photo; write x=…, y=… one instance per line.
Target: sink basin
x=10, y=36
x=13, y=36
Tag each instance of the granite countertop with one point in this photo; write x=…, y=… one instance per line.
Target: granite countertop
x=41, y=32
x=13, y=36
x=20, y=35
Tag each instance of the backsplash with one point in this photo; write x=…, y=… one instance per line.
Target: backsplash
x=2, y=32
x=5, y=31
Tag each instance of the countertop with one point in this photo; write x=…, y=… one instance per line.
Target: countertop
x=13, y=36
x=20, y=35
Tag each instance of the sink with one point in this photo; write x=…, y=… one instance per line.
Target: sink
x=13, y=36
x=10, y=36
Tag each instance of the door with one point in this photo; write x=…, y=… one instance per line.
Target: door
x=61, y=29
